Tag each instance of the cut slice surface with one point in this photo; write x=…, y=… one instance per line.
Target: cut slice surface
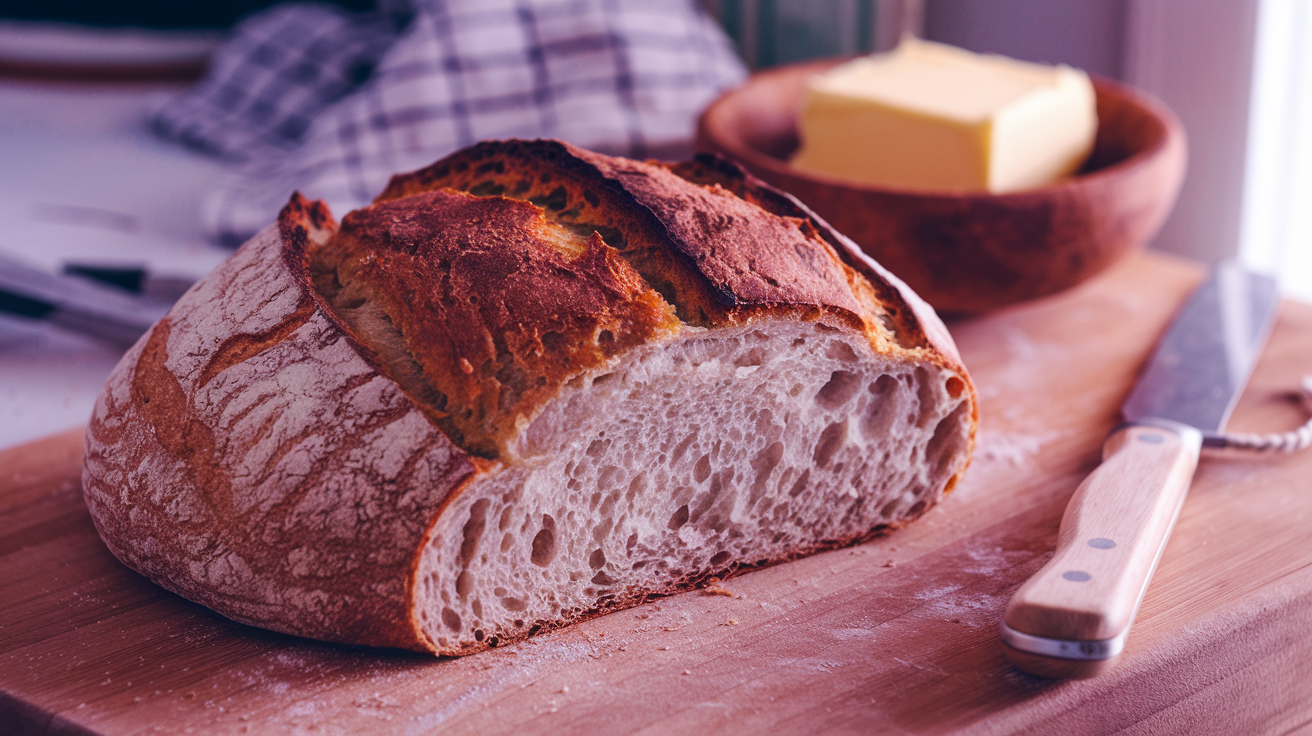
x=712, y=450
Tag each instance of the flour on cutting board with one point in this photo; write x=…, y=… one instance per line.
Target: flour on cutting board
x=1015, y=448
x=1031, y=363
x=1005, y=435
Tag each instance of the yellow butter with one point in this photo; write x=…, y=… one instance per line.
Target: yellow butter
x=931, y=116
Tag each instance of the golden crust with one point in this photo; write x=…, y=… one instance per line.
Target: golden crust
x=498, y=305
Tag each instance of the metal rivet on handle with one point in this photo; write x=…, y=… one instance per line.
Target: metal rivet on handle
x=1077, y=576
x=1101, y=543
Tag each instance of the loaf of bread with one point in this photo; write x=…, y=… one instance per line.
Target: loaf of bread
x=529, y=385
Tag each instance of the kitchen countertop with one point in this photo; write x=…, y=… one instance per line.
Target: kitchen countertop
x=82, y=178
x=898, y=635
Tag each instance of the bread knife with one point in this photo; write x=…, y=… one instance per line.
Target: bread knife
x=1072, y=618
x=103, y=312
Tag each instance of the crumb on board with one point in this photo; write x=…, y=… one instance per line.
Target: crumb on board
x=713, y=587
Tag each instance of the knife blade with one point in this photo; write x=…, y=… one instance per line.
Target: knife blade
x=103, y=312
x=1072, y=618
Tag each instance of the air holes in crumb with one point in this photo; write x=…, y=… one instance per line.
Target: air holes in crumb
x=755, y=356
x=841, y=351
x=603, y=378
x=602, y=529
x=928, y=397
x=633, y=542
x=473, y=530
x=955, y=386
x=882, y=410
x=798, y=487
x=451, y=619
x=916, y=509
x=682, y=447
x=544, y=544
x=947, y=440
x=478, y=635
x=507, y=542
x=609, y=477
x=888, y=322
x=601, y=578
x=890, y=508
x=679, y=518
x=636, y=486
x=598, y=447
x=702, y=470
x=597, y=559
x=464, y=584
x=513, y=604
x=831, y=440
x=841, y=386
x=764, y=463
x=720, y=558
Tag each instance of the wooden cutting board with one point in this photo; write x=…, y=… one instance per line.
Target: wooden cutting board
x=894, y=636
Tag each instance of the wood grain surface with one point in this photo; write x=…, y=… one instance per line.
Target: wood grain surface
x=895, y=636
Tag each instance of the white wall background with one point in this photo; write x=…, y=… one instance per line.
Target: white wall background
x=1276, y=228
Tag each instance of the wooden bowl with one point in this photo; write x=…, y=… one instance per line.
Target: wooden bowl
x=972, y=252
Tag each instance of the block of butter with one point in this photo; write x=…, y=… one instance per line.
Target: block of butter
x=931, y=116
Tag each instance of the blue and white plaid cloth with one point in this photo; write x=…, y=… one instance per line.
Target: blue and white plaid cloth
x=287, y=96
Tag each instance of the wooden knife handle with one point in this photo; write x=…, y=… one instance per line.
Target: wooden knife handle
x=1072, y=617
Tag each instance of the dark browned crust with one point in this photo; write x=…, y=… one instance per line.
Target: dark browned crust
x=498, y=305
x=550, y=175
x=709, y=169
x=749, y=256
x=717, y=258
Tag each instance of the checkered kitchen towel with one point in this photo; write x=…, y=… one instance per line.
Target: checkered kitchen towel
x=284, y=100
